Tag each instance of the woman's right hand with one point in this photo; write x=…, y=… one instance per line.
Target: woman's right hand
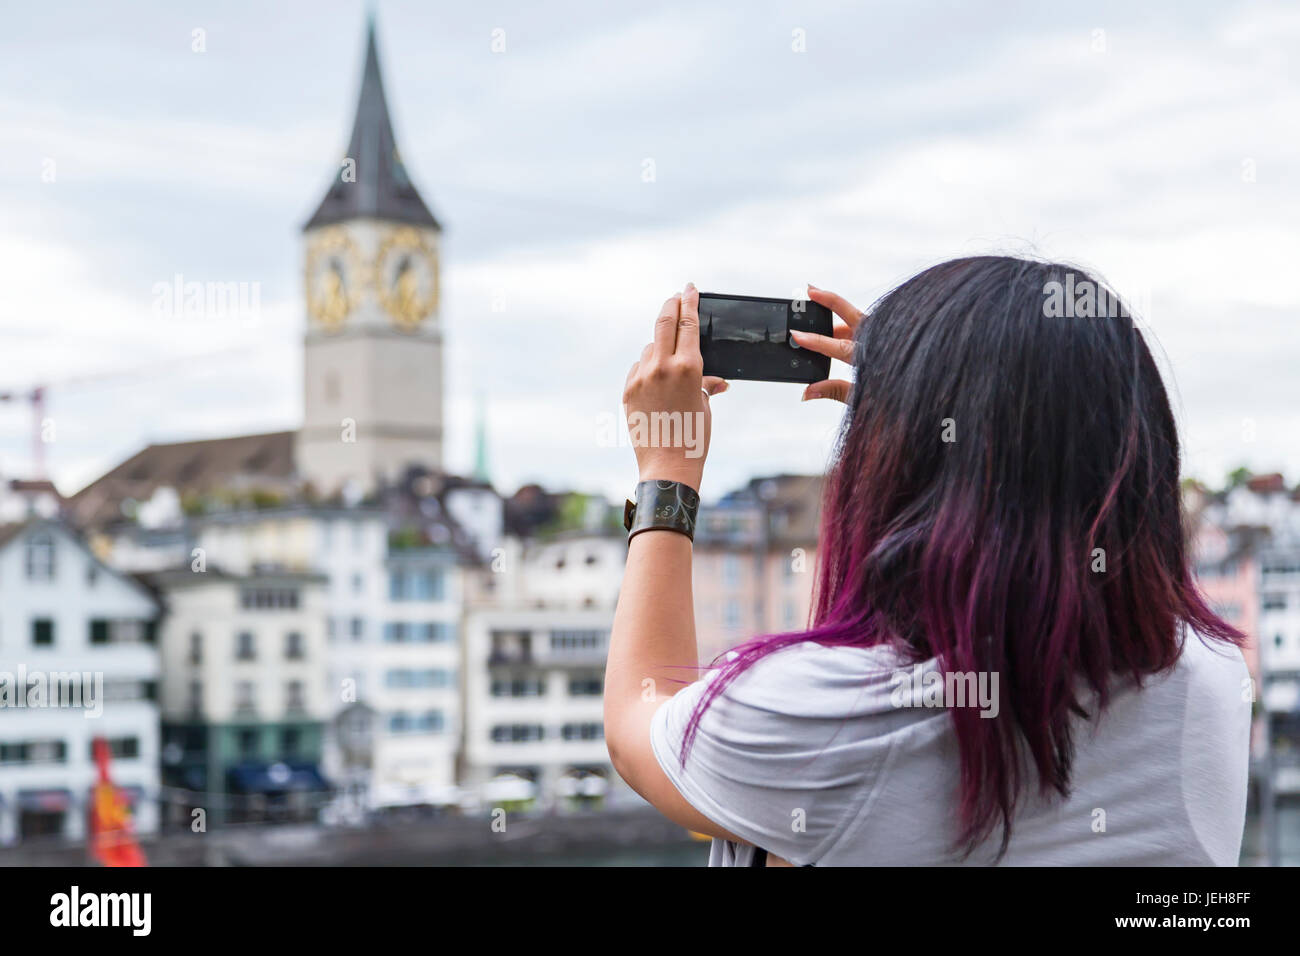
x=838, y=345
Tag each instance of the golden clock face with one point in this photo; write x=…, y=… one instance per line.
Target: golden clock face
x=406, y=273
x=333, y=277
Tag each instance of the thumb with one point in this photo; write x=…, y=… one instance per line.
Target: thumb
x=714, y=385
x=830, y=388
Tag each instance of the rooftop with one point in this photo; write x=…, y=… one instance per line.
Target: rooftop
x=185, y=466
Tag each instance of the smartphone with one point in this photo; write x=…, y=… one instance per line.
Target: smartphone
x=748, y=337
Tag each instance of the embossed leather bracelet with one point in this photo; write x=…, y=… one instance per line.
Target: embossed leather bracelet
x=663, y=505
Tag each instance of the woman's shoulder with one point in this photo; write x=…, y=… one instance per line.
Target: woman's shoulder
x=817, y=680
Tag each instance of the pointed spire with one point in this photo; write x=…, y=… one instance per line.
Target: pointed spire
x=382, y=189
x=480, y=445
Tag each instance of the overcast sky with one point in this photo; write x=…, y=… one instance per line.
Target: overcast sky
x=1156, y=143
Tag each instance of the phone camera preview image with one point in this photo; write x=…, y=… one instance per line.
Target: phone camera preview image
x=748, y=337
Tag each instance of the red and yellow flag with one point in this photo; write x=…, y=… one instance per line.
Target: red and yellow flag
x=112, y=841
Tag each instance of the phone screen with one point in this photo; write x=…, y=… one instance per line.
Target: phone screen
x=748, y=337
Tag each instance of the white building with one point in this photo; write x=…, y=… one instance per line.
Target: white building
x=85, y=632
x=1279, y=658
x=536, y=639
x=243, y=693
x=392, y=611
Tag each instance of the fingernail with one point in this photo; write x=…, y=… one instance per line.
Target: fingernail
x=690, y=287
x=807, y=396
x=798, y=335
x=811, y=286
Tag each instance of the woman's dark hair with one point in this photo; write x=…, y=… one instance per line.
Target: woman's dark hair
x=1004, y=497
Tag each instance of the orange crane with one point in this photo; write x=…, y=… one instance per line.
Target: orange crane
x=35, y=395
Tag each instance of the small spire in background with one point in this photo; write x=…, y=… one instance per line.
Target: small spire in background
x=480, y=442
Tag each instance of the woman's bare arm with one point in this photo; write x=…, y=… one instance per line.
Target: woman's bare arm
x=652, y=648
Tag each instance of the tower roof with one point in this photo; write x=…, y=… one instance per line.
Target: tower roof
x=382, y=189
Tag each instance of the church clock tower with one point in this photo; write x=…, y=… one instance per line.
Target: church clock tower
x=372, y=374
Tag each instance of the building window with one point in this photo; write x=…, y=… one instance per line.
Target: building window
x=34, y=751
x=427, y=722
x=293, y=646
x=247, y=743
x=731, y=571
x=511, y=647
x=1274, y=602
x=124, y=689
x=245, y=649
x=40, y=556
x=118, y=632
x=585, y=731
x=430, y=585
x=435, y=632
x=357, y=628
x=407, y=679
x=196, y=648
x=358, y=584
x=413, y=584
x=516, y=733
x=591, y=685
x=290, y=742
x=245, y=702
x=43, y=632
x=120, y=748
x=47, y=751
x=577, y=641
x=262, y=599
x=196, y=698
x=295, y=700
x=518, y=687
x=731, y=613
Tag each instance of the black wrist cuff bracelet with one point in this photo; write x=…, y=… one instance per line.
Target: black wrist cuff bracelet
x=664, y=505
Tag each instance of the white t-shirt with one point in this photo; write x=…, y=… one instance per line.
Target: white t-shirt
x=808, y=755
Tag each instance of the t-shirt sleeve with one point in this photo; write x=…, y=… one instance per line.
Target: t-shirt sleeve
x=775, y=760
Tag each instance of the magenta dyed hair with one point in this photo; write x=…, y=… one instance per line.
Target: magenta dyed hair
x=979, y=551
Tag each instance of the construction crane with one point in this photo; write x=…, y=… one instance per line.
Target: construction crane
x=35, y=395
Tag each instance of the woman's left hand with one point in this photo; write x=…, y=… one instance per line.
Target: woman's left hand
x=839, y=345
x=666, y=396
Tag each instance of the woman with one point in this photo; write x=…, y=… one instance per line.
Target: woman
x=1008, y=661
